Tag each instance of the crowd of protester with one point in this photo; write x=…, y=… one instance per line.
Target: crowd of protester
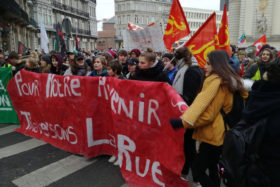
x=206, y=91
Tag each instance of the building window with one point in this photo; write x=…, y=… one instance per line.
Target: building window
x=136, y=18
x=136, y=6
x=143, y=7
x=119, y=19
x=123, y=20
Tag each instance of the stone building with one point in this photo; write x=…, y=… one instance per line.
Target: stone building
x=222, y=3
x=144, y=12
x=140, y=12
x=81, y=13
x=106, y=37
x=196, y=17
x=255, y=18
x=17, y=24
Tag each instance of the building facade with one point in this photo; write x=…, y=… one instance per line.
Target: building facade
x=106, y=37
x=255, y=18
x=196, y=17
x=222, y=3
x=82, y=15
x=140, y=12
x=17, y=24
x=144, y=12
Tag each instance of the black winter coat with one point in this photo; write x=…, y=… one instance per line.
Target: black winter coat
x=264, y=101
x=18, y=67
x=35, y=70
x=152, y=74
x=193, y=80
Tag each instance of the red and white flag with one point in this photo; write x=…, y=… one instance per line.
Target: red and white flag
x=134, y=27
x=259, y=43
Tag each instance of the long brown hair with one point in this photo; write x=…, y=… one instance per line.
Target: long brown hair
x=185, y=53
x=270, y=55
x=219, y=60
x=74, y=67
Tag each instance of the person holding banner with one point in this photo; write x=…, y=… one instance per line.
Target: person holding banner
x=45, y=64
x=188, y=83
x=150, y=69
x=32, y=65
x=57, y=66
x=99, y=65
x=132, y=65
x=205, y=118
x=16, y=62
x=256, y=71
x=79, y=67
x=122, y=58
x=114, y=69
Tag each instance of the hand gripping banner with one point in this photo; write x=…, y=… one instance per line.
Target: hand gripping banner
x=100, y=115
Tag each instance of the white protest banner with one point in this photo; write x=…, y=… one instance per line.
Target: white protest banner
x=151, y=37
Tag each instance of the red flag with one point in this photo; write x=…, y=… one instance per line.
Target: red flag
x=177, y=25
x=223, y=35
x=204, y=41
x=77, y=42
x=259, y=43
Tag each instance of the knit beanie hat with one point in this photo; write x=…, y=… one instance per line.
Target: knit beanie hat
x=133, y=61
x=168, y=55
x=113, y=53
x=46, y=58
x=136, y=51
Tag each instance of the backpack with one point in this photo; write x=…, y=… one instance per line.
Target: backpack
x=240, y=163
x=234, y=116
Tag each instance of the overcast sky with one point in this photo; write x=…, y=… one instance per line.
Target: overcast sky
x=105, y=8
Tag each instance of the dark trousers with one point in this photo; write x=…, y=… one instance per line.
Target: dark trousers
x=189, y=150
x=207, y=158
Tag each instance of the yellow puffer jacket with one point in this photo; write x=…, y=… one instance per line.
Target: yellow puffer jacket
x=204, y=114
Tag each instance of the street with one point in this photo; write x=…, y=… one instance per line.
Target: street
x=28, y=162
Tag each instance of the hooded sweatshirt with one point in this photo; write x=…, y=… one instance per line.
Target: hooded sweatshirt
x=61, y=67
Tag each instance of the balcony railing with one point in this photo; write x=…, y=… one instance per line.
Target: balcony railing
x=77, y=30
x=80, y=31
x=70, y=9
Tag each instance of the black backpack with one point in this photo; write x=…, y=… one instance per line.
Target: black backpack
x=234, y=116
x=240, y=163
